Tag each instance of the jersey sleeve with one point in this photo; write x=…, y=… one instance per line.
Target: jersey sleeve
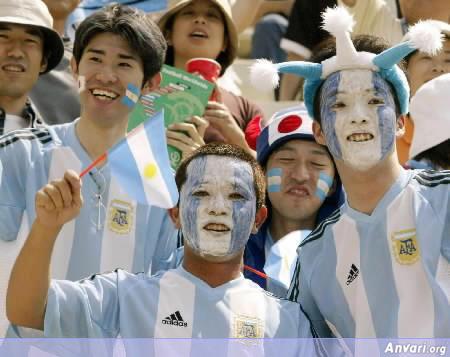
x=87, y=308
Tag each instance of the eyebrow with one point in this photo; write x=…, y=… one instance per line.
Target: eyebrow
x=101, y=52
x=311, y=151
x=30, y=30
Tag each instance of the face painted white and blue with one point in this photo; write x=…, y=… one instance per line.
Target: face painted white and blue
x=274, y=179
x=358, y=117
x=217, y=205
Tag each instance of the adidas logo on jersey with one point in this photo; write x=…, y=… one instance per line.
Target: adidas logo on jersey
x=174, y=319
x=354, y=272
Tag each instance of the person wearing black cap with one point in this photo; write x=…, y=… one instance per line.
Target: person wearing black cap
x=28, y=47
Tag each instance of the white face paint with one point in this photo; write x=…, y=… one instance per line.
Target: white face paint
x=217, y=205
x=358, y=117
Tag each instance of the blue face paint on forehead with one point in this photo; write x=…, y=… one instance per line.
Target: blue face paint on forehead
x=327, y=115
x=386, y=114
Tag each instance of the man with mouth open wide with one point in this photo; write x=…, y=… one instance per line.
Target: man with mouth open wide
x=379, y=266
x=222, y=191
x=118, y=53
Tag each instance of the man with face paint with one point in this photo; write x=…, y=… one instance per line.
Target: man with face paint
x=303, y=189
x=222, y=193
x=118, y=53
x=377, y=267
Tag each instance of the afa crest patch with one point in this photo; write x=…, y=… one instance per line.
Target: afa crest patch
x=247, y=327
x=405, y=247
x=120, y=217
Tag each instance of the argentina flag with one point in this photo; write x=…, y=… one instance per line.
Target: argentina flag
x=140, y=162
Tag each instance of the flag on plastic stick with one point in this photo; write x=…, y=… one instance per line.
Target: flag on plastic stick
x=141, y=164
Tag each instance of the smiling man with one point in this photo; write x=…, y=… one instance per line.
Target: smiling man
x=28, y=47
x=222, y=192
x=378, y=267
x=118, y=53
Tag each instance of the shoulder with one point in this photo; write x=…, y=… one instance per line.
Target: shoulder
x=41, y=136
x=431, y=178
x=318, y=234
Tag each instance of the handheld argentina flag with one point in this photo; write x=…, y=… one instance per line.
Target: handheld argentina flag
x=140, y=162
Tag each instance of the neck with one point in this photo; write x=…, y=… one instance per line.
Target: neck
x=214, y=274
x=97, y=139
x=365, y=189
x=59, y=26
x=13, y=106
x=280, y=225
x=180, y=62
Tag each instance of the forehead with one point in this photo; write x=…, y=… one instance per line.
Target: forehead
x=219, y=170
x=19, y=28
x=302, y=147
x=356, y=81
x=110, y=41
x=202, y=4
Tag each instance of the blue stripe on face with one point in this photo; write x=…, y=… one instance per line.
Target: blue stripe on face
x=274, y=173
x=387, y=116
x=131, y=96
x=327, y=181
x=328, y=115
x=243, y=210
x=189, y=204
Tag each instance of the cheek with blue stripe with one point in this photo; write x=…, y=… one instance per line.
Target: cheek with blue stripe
x=243, y=211
x=328, y=115
x=274, y=180
x=324, y=184
x=189, y=204
x=387, y=116
x=131, y=96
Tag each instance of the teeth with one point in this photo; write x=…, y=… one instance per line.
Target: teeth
x=299, y=192
x=13, y=68
x=217, y=227
x=199, y=34
x=104, y=93
x=360, y=137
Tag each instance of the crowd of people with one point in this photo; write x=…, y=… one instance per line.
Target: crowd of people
x=328, y=219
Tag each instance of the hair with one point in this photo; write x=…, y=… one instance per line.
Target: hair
x=365, y=43
x=225, y=58
x=407, y=59
x=439, y=155
x=227, y=150
x=134, y=26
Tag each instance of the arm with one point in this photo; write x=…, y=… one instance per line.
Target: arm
x=291, y=84
x=56, y=203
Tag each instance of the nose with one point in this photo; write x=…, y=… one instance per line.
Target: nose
x=199, y=19
x=300, y=172
x=218, y=206
x=440, y=67
x=359, y=114
x=106, y=75
x=15, y=50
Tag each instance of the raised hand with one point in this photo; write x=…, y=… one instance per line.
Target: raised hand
x=59, y=201
x=191, y=137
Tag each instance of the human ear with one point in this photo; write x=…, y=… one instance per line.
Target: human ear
x=318, y=133
x=400, y=127
x=174, y=214
x=260, y=217
x=151, y=84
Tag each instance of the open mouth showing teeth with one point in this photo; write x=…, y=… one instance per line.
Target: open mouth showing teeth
x=104, y=94
x=216, y=227
x=360, y=137
x=12, y=68
x=199, y=34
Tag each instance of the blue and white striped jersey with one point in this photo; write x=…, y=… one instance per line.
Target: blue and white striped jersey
x=172, y=304
x=383, y=275
x=112, y=231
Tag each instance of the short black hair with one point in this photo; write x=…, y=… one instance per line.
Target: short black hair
x=134, y=26
x=227, y=150
x=362, y=43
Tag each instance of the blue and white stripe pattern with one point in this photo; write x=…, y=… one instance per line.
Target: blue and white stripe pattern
x=131, y=96
x=140, y=163
x=323, y=186
x=274, y=180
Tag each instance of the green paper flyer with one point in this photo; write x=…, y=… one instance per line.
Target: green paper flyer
x=181, y=95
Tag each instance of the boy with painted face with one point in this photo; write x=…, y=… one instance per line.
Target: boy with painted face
x=222, y=193
x=118, y=53
x=377, y=267
x=303, y=189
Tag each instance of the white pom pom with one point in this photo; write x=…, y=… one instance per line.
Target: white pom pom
x=337, y=20
x=264, y=75
x=426, y=37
